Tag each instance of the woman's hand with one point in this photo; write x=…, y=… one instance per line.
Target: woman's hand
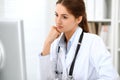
x=53, y=34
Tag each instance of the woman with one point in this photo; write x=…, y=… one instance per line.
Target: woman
x=75, y=53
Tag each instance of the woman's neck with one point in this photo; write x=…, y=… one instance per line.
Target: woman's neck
x=69, y=34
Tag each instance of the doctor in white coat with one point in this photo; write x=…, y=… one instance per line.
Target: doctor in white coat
x=76, y=54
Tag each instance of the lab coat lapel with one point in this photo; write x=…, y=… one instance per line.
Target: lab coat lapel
x=71, y=53
x=62, y=56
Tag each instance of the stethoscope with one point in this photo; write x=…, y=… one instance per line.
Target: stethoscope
x=58, y=74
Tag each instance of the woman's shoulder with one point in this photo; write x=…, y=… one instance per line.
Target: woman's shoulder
x=92, y=37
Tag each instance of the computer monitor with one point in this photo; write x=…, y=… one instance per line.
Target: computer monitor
x=12, y=51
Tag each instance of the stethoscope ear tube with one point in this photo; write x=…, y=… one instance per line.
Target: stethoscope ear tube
x=76, y=52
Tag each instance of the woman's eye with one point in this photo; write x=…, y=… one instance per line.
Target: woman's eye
x=65, y=17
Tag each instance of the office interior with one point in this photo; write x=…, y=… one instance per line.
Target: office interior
x=38, y=16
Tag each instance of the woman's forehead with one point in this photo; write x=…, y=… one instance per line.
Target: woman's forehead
x=60, y=9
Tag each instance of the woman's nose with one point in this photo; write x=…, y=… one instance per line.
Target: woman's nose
x=58, y=21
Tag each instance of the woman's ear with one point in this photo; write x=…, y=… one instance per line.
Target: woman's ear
x=79, y=19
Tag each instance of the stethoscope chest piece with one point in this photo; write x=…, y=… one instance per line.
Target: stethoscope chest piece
x=70, y=78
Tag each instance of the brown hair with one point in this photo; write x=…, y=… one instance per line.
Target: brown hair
x=77, y=8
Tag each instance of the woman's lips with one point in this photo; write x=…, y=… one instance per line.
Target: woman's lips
x=59, y=27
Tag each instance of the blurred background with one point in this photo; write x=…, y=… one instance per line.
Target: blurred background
x=38, y=16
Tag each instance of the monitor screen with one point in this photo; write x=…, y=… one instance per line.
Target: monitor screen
x=12, y=59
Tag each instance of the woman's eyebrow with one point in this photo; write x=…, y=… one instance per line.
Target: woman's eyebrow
x=62, y=14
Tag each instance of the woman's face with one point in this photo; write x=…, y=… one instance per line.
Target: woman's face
x=65, y=21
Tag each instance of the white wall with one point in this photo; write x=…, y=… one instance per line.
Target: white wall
x=1, y=8
x=35, y=29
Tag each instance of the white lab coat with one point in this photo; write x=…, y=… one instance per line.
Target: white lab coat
x=93, y=61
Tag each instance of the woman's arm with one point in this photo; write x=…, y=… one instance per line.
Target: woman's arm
x=53, y=34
